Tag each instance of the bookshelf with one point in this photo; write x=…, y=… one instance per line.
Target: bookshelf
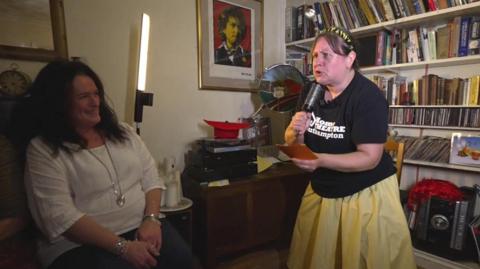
x=452, y=67
x=429, y=18
x=438, y=16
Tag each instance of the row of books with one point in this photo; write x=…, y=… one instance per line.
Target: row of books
x=459, y=37
x=454, y=117
x=353, y=14
x=429, y=90
x=426, y=148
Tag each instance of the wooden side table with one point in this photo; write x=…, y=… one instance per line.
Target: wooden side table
x=248, y=212
x=181, y=218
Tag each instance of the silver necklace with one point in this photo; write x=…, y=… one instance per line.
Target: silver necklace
x=117, y=189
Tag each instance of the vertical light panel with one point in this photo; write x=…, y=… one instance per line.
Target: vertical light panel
x=142, y=59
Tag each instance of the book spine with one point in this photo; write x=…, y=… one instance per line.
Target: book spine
x=474, y=39
x=300, y=20
x=418, y=7
x=412, y=217
x=380, y=48
x=389, y=14
x=326, y=14
x=421, y=226
x=461, y=228
x=288, y=24
x=396, y=10
x=403, y=9
x=464, y=33
x=454, y=37
x=367, y=11
x=432, y=44
x=387, y=59
x=413, y=47
x=453, y=237
x=341, y=15
x=346, y=12
x=425, y=45
x=354, y=14
x=294, y=24
x=318, y=15
x=335, y=18
x=374, y=10
x=473, y=92
x=476, y=237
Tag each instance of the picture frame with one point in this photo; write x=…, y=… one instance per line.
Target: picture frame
x=465, y=150
x=230, y=44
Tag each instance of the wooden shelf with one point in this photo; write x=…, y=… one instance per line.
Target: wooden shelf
x=476, y=129
x=434, y=106
x=429, y=261
x=443, y=165
x=472, y=59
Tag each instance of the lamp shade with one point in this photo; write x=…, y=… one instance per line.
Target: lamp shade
x=225, y=129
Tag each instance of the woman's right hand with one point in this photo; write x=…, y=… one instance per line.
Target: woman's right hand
x=297, y=127
x=300, y=122
x=141, y=254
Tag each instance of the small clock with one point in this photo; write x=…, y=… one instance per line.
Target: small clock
x=13, y=82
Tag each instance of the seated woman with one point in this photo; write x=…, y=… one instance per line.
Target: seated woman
x=92, y=185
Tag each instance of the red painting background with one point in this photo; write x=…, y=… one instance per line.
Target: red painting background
x=218, y=7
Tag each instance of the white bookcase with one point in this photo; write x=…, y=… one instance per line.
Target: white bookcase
x=462, y=67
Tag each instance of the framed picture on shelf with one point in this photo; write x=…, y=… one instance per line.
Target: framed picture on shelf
x=230, y=49
x=465, y=150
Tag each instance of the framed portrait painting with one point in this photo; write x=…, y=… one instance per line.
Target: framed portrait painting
x=230, y=49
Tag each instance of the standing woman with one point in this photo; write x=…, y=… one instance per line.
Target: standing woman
x=350, y=216
x=92, y=186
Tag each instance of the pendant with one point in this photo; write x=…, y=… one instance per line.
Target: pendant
x=121, y=201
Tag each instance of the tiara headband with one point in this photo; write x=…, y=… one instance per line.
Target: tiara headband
x=343, y=35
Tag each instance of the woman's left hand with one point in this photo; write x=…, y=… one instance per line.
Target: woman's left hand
x=151, y=232
x=308, y=165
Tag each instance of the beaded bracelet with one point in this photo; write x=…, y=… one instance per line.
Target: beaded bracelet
x=121, y=246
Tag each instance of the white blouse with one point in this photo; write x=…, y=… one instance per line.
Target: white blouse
x=62, y=188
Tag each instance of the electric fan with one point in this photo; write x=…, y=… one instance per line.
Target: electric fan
x=280, y=87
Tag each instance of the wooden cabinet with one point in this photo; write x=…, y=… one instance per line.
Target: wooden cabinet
x=249, y=212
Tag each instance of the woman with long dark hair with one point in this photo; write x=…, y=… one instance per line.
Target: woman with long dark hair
x=92, y=186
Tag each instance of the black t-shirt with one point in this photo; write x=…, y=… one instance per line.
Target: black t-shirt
x=357, y=116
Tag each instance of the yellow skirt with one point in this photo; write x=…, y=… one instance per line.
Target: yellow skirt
x=366, y=230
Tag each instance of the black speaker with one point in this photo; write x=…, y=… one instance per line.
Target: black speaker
x=440, y=222
x=441, y=228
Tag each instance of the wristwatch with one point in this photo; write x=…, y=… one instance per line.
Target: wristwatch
x=155, y=217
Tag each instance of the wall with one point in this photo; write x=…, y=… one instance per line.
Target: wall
x=105, y=35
